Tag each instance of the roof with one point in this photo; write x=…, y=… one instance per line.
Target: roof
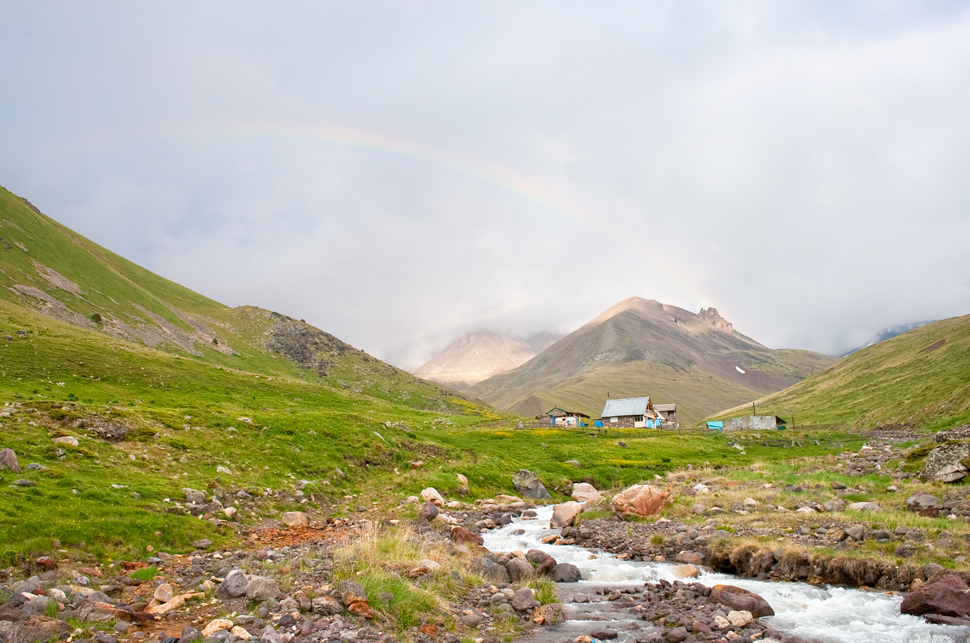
x=626, y=406
x=664, y=407
x=562, y=413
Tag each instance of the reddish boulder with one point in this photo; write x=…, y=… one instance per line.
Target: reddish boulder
x=462, y=535
x=741, y=599
x=565, y=514
x=948, y=597
x=640, y=500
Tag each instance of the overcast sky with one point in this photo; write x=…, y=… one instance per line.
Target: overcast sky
x=399, y=173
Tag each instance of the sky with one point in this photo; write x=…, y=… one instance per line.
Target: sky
x=399, y=173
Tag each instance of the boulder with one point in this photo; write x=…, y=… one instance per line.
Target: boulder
x=261, y=588
x=8, y=460
x=462, y=535
x=585, y=492
x=519, y=569
x=524, y=599
x=164, y=593
x=565, y=514
x=295, y=519
x=234, y=586
x=491, y=569
x=947, y=597
x=922, y=500
x=194, y=496
x=428, y=511
x=527, y=483
x=945, y=463
x=741, y=599
x=550, y=614
x=566, y=573
x=351, y=592
x=68, y=440
x=640, y=500
x=863, y=506
x=431, y=495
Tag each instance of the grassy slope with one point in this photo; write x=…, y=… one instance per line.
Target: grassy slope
x=903, y=380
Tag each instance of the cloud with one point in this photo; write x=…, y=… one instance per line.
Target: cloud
x=398, y=174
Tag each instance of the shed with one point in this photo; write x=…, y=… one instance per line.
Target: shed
x=755, y=423
x=630, y=413
x=667, y=411
x=561, y=417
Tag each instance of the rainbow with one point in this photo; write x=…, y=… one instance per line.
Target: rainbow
x=381, y=143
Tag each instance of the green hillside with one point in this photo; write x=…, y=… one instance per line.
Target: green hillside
x=920, y=378
x=642, y=347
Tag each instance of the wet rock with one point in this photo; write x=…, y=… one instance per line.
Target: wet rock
x=606, y=635
x=565, y=514
x=948, y=597
x=741, y=599
x=528, y=484
x=566, y=573
x=640, y=500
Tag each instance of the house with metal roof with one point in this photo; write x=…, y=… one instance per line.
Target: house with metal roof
x=630, y=413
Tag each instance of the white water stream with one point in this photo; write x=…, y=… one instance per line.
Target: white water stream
x=832, y=615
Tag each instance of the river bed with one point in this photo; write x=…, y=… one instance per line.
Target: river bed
x=824, y=614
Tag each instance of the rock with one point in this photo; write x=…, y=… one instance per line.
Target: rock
x=605, y=635
x=855, y=532
x=164, y=593
x=586, y=493
x=503, y=499
x=640, y=500
x=519, y=569
x=739, y=618
x=566, y=573
x=46, y=563
x=462, y=535
x=565, y=514
x=677, y=634
x=524, y=599
x=202, y=543
x=34, y=629
x=351, y=592
x=741, y=599
x=491, y=569
x=472, y=620
x=528, y=484
x=428, y=511
x=362, y=609
x=269, y=635
x=97, y=612
x=326, y=605
x=194, y=496
x=431, y=495
x=575, y=463
x=233, y=586
x=944, y=463
x=189, y=634
x=223, y=470
x=687, y=571
x=863, y=506
x=689, y=557
x=462, y=479
x=295, y=519
x=550, y=614
x=948, y=597
x=240, y=633
x=35, y=605
x=920, y=500
x=261, y=588
x=69, y=440
x=8, y=460
x=834, y=505
x=215, y=625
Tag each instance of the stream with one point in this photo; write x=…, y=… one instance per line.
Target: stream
x=826, y=615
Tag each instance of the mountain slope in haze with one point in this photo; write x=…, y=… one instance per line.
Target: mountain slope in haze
x=480, y=355
x=919, y=378
x=888, y=333
x=642, y=347
x=49, y=269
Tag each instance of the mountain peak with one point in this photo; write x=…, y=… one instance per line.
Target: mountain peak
x=712, y=317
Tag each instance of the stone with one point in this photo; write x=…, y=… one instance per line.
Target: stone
x=566, y=573
x=234, y=585
x=855, y=532
x=98, y=612
x=586, y=493
x=34, y=629
x=834, y=506
x=919, y=501
x=269, y=635
x=565, y=514
x=524, y=599
x=948, y=597
x=428, y=511
x=240, y=633
x=431, y=495
x=189, y=634
x=550, y=614
x=69, y=440
x=261, y=588
x=739, y=618
x=640, y=500
x=519, y=569
x=326, y=605
x=677, y=634
x=215, y=625
x=528, y=484
x=8, y=460
x=463, y=535
x=202, y=543
x=362, y=609
x=164, y=593
x=741, y=599
x=194, y=496
x=689, y=557
x=491, y=569
x=687, y=571
x=945, y=463
x=863, y=506
x=351, y=592
x=472, y=620
x=295, y=519
x=462, y=479
x=46, y=563
x=223, y=470
x=604, y=635
x=35, y=605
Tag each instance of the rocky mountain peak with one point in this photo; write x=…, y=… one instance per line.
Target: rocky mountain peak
x=712, y=317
